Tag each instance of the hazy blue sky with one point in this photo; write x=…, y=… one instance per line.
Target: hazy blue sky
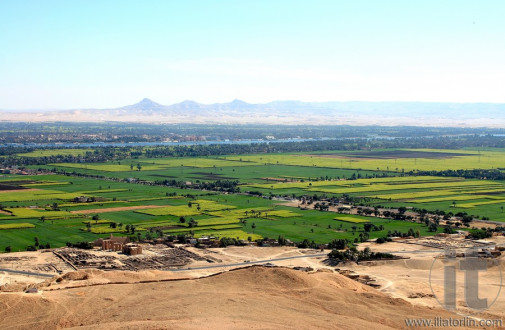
x=70, y=54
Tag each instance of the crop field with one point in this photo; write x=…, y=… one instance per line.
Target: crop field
x=455, y=198
x=196, y=162
x=245, y=172
x=217, y=221
x=352, y=218
x=238, y=216
x=389, y=182
x=109, y=167
x=105, y=191
x=40, y=184
x=242, y=213
x=238, y=234
x=96, y=222
x=482, y=197
x=34, y=195
x=55, y=152
x=45, y=206
x=178, y=211
x=24, y=213
x=420, y=189
x=387, y=187
x=281, y=214
x=419, y=194
x=157, y=164
x=474, y=204
x=209, y=205
x=205, y=228
x=398, y=160
x=19, y=225
x=77, y=205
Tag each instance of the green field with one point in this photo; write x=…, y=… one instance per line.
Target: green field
x=110, y=167
x=55, y=152
x=48, y=211
x=178, y=211
x=398, y=160
x=352, y=219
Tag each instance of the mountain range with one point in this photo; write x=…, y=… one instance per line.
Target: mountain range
x=283, y=112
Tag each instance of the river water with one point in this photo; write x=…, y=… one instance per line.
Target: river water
x=144, y=144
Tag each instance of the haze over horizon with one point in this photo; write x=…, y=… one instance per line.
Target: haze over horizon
x=62, y=55
x=147, y=103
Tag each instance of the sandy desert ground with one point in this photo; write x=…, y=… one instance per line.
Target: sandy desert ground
x=256, y=297
x=318, y=296
x=250, y=118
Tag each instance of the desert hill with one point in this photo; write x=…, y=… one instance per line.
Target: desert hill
x=254, y=297
x=281, y=112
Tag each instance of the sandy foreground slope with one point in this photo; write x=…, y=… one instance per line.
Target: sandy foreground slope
x=253, y=297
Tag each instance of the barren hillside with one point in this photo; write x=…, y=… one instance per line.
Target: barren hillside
x=255, y=297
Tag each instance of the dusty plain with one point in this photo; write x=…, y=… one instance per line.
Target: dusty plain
x=239, y=287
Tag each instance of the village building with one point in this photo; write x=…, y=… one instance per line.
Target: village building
x=132, y=249
x=113, y=243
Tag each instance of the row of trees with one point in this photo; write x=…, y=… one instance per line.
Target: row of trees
x=135, y=132
x=230, y=186
x=353, y=254
x=102, y=154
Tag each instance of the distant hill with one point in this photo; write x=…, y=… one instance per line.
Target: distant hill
x=284, y=112
x=145, y=104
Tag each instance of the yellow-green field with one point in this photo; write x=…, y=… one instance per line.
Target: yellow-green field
x=44, y=184
x=455, y=198
x=31, y=213
x=207, y=205
x=158, y=164
x=470, y=205
x=196, y=162
x=352, y=219
x=110, y=167
x=178, y=211
x=281, y=214
x=34, y=195
x=217, y=221
x=20, y=225
x=55, y=152
x=470, y=160
x=381, y=180
x=390, y=181
x=238, y=234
